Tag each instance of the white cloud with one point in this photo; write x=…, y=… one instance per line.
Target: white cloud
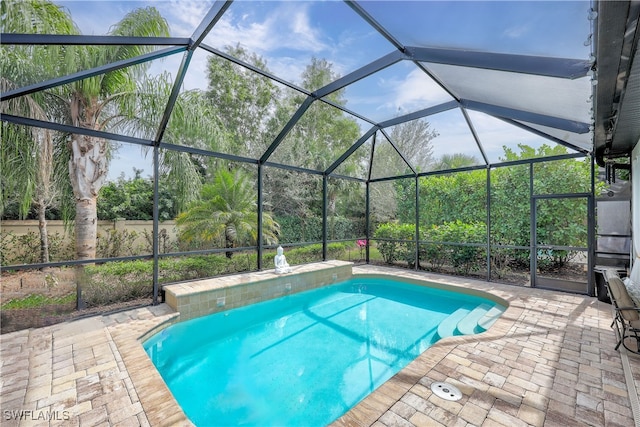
x=406, y=93
x=516, y=32
x=494, y=134
x=286, y=27
x=418, y=91
x=284, y=37
x=183, y=16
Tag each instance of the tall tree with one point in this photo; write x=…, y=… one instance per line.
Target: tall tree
x=413, y=138
x=94, y=103
x=321, y=135
x=244, y=100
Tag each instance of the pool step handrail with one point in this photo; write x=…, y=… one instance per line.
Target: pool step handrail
x=447, y=327
x=468, y=324
x=491, y=316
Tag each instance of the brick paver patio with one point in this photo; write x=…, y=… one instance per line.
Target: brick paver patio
x=548, y=361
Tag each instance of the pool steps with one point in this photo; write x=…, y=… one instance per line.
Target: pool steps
x=447, y=327
x=465, y=321
x=491, y=316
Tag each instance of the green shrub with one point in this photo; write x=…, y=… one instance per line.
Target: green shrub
x=191, y=267
x=37, y=301
x=25, y=249
x=462, y=258
x=501, y=260
x=403, y=248
x=117, y=243
x=118, y=281
x=165, y=243
x=298, y=229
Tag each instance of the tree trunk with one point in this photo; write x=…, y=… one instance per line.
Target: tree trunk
x=332, y=216
x=229, y=234
x=44, y=237
x=88, y=171
x=45, y=187
x=86, y=228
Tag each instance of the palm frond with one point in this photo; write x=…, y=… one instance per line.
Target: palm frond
x=227, y=209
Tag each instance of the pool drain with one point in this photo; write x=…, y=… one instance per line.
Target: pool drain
x=446, y=391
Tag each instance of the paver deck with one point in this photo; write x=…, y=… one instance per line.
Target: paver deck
x=548, y=361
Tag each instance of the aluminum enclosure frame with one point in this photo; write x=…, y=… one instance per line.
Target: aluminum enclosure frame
x=543, y=66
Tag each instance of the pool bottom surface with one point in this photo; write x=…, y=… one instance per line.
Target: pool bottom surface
x=304, y=359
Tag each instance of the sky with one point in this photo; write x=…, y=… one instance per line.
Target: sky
x=287, y=34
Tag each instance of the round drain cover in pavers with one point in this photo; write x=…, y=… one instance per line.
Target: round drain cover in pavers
x=446, y=391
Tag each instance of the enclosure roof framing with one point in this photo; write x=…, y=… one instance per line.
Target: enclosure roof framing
x=477, y=84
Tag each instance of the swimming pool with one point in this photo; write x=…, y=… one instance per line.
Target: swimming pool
x=306, y=359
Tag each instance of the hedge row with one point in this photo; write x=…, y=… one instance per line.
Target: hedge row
x=127, y=280
x=400, y=245
x=298, y=229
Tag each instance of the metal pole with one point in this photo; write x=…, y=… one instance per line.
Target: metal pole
x=324, y=217
x=417, y=266
x=260, y=241
x=488, y=224
x=533, y=257
x=591, y=234
x=156, y=215
x=367, y=220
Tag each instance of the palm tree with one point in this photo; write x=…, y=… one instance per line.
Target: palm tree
x=227, y=211
x=103, y=102
x=121, y=100
x=27, y=159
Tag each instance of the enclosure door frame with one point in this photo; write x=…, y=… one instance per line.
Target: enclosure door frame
x=560, y=284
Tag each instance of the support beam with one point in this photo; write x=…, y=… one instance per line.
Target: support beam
x=533, y=245
x=253, y=68
x=85, y=40
x=287, y=128
x=526, y=64
x=175, y=91
x=474, y=134
x=367, y=220
x=25, y=121
x=347, y=178
x=58, y=81
x=156, y=226
x=371, y=157
x=488, y=194
x=448, y=171
x=367, y=70
x=293, y=168
x=417, y=220
x=404, y=159
x=525, y=116
x=282, y=81
x=545, y=135
x=260, y=241
x=420, y=114
x=325, y=206
x=352, y=149
x=213, y=16
x=393, y=178
x=207, y=153
x=375, y=24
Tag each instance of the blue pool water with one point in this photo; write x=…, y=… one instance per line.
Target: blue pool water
x=304, y=359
